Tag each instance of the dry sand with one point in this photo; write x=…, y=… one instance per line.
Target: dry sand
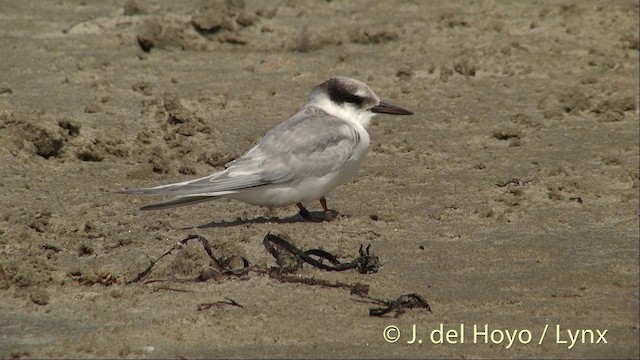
x=510, y=198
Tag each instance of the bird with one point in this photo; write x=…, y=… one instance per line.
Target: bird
x=299, y=160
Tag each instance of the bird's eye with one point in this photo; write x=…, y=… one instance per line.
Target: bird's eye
x=354, y=99
x=340, y=94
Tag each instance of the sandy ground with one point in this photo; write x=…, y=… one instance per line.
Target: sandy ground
x=509, y=199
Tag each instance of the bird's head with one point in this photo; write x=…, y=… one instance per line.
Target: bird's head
x=351, y=99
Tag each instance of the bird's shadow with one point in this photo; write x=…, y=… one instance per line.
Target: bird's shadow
x=316, y=217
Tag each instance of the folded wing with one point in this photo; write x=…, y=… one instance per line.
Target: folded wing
x=302, y=147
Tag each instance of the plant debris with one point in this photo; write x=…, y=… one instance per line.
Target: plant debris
x=399, y=305
x=289, y=259
x=365, y=263
x=229, y=302
x=223, y=265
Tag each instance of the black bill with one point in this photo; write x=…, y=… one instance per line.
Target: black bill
x=384, y=108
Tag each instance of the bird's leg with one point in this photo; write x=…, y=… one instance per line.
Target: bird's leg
x=304, y=212
x=328, y=215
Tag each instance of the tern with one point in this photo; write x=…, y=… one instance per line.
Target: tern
x=300, y=160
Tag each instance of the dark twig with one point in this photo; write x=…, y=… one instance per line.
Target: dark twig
x=223, y=265
x=169, y=288
x=230, y=302
x=357, y=288
x=365, y=263
x=399, y=305
x=147, y=271
x=278, y=247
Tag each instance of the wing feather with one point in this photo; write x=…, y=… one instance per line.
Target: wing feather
x=310, y=144
x=302, y=147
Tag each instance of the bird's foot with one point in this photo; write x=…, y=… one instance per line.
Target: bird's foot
x=330, y=215
x=304, y=212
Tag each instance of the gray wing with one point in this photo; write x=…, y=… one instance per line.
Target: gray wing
x=309, y=144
